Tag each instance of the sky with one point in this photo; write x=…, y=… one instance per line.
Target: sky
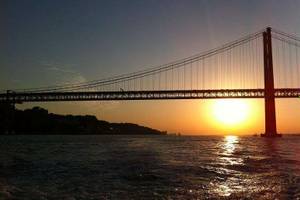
x=56, y=42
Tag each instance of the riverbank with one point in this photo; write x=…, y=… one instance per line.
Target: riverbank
x=39, y=121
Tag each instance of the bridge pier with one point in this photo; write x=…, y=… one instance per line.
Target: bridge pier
x=270, y=112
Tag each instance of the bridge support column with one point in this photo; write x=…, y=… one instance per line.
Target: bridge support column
x=270, y=113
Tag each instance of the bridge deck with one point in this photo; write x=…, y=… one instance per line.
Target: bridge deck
x=145, y=95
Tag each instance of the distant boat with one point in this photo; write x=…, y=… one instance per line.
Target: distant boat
x=255, y=135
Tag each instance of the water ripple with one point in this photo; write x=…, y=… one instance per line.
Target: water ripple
x=149, y=167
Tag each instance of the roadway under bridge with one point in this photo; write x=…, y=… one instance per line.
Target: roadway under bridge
x=144, y=95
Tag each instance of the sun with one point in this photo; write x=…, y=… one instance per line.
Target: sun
x=231, y=112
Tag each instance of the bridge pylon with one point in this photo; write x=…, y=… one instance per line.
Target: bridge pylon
x=270, y=112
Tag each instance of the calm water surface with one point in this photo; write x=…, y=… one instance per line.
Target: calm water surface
x=149, y=167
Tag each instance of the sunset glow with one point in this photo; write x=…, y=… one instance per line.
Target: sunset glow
x=149, y=99
x=66, y=48
x=230, y=112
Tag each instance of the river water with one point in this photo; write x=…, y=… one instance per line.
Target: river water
x=149, y=167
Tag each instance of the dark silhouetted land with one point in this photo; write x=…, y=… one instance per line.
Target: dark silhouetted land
x=39, y=121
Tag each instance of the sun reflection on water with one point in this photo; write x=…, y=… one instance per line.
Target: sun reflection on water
x=227, y=158
x=230, y=143
x=228, y=149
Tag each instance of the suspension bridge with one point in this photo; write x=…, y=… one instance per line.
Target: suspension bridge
x=260, y=65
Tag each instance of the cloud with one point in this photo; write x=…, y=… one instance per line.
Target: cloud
x=64, y=73
x=65, y=68
x=16, y=80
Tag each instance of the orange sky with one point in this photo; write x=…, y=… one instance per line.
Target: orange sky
x=184, y=116
x=44, y=44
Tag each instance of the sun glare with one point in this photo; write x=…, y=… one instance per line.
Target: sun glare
x=231, y=112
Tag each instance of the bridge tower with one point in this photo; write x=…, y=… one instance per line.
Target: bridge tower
x=270, y=113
